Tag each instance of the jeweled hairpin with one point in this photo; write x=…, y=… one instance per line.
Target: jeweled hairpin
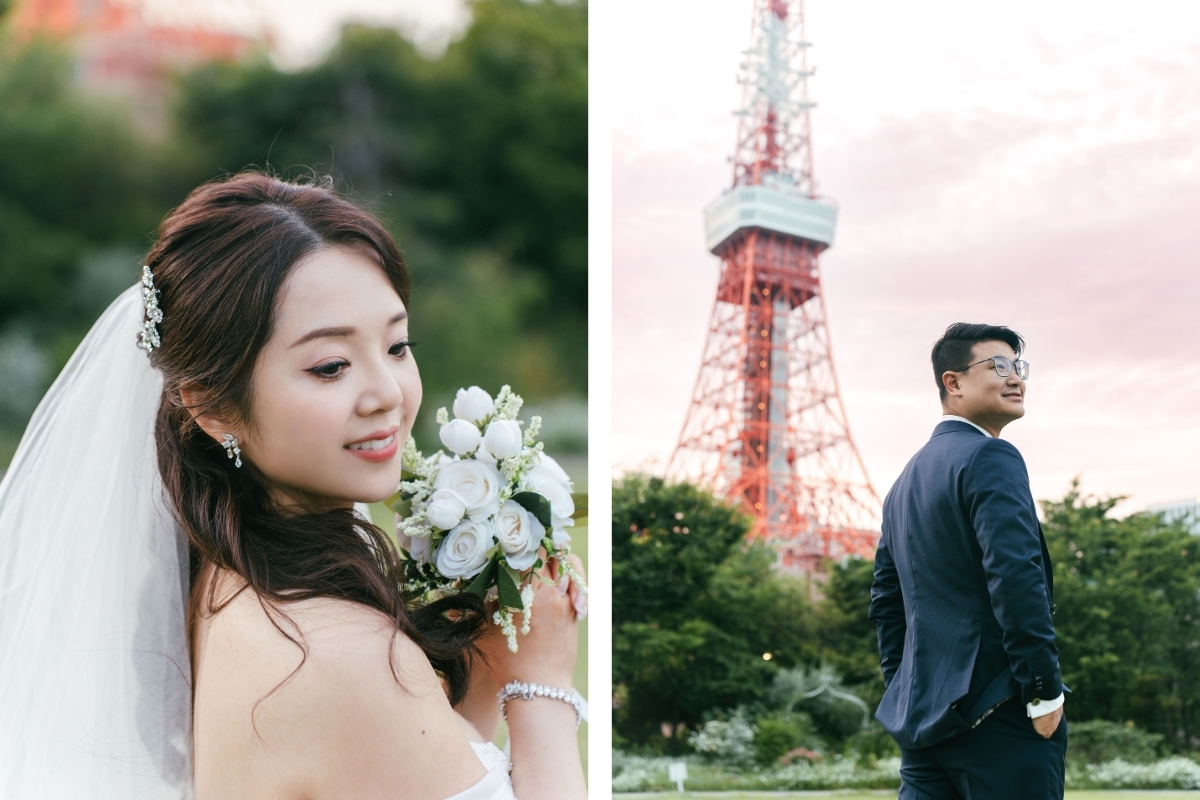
x=154, y=316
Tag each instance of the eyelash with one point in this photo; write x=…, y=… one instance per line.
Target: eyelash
x=319, y=371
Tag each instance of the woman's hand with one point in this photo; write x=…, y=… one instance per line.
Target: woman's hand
x=547, y=653
x=545, y=755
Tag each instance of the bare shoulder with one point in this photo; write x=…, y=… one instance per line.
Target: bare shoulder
x=322, y=698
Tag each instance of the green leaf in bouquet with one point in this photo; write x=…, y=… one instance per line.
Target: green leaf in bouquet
x=483, y=581
x=537, y=505
x=401, y=505
x=508, y=581
x=580, y=499
x=408, y=475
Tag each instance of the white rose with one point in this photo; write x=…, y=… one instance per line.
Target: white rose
x=560, y=536
x=503, y=438
x=556, y=470
x=547, y=482
x=473, y=405
x=463, y=553
x=519, y=534
x=445, y=509
x=477, y=483
x=460, y=436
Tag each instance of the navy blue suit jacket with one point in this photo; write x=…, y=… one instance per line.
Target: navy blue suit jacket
x=963, y=590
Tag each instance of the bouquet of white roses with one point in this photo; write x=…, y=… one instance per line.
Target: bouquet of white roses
x=484, y=519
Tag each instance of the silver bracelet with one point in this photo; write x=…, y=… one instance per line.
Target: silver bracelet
x=527, y=691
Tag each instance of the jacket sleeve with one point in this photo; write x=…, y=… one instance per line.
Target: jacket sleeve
x=998, y=500
x=887, y=612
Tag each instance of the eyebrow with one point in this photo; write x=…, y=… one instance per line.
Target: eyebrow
x=342, y=331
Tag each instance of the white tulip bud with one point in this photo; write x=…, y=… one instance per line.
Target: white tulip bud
x=460, y=436
x=421, y=550
x=446, y=509
x=503, y=438
x=473, y=405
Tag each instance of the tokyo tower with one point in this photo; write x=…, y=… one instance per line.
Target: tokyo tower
x=766, y=427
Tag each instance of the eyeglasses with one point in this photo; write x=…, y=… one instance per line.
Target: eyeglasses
x=1003, y=367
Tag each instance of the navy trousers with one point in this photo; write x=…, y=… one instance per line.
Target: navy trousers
x=1002, y=758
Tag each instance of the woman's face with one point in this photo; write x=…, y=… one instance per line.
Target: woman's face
x=335, y=390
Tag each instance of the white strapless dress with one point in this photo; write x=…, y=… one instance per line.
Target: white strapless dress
x=496, y=785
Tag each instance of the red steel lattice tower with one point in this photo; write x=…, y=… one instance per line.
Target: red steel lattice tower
x=766, y=426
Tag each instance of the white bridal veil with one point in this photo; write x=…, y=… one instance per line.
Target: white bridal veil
x=95, y=697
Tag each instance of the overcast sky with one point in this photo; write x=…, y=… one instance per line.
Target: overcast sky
x=1035, y=164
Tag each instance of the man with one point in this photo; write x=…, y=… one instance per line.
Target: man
x=963, y=594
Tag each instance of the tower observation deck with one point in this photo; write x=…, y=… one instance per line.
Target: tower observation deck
x=766, y=427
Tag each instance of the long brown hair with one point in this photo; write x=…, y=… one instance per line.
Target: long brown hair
x=219, y=263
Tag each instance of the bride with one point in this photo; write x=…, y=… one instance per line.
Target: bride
x=190, y=606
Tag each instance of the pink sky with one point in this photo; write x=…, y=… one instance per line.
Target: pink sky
x=1035, y=165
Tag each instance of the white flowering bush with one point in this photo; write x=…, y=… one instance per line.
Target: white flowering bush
x=728, y=741
x=484, y=519
x=835, y=773
x=638, y=773
x=649, y=774
x=1169, y=773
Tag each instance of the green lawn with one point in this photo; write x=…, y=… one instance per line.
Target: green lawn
x=1110, y=795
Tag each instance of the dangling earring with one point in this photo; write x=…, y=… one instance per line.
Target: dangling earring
x=232, y=450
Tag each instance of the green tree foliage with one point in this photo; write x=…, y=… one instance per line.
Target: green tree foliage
x=1127, y=625
x=1128, y=620
x=695, y=608
x=1097, y=741
x=780, y=733
x=73, y=178
x=848, y=640
x=475, y=159
x=694, y=611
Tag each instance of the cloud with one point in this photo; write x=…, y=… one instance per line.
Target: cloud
x=1067, y=211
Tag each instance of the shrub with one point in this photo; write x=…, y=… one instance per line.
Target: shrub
x=1098, y=741
x=780, y=733
x=641, y=774
x=728, y=741
x=876, y=743
x=1170, y=773
x=836, y=773
x=836, y=711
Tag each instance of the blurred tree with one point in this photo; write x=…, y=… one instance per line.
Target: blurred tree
x=511, y=99
x=694, y=611
x=847, y=639
x=1127, y=626
x=73, y=177
x=477, y=160
x=1128, y=620
x=1097, y=741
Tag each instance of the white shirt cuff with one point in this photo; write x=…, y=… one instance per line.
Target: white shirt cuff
x=1044, y=707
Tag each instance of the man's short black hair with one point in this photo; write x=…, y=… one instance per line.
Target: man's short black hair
x=952, y=352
